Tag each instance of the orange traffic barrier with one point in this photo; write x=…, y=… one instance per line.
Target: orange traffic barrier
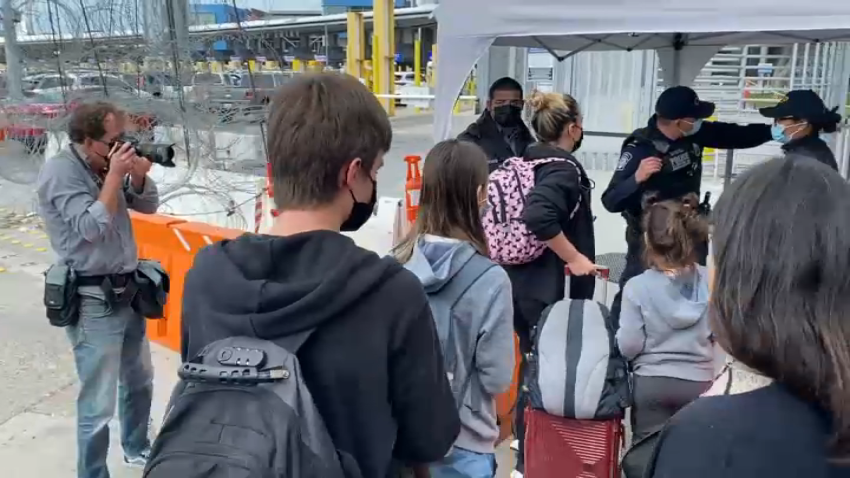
x=506, y=402
x=173, y=242
x=412, y=187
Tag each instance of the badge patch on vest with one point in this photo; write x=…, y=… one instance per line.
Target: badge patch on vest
x=680, y=160
x=624, y=160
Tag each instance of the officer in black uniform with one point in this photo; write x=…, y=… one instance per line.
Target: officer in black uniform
x=798, y=120
x=664, y=161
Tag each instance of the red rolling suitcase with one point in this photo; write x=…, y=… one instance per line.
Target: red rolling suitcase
x=557, y=447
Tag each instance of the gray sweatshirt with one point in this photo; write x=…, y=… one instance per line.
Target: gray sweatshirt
x=664, y=326
x=488, y=303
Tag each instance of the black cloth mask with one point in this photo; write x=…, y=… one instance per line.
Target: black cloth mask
x=577, y=144
x=507, y=115
x=360, y=211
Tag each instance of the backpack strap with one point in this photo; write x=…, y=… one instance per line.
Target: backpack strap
x=540, y=162
x=465, y=277
x=578, y=171
x=457, y=286
x=292, y=343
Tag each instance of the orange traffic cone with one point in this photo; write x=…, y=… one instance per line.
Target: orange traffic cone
x=412, y=187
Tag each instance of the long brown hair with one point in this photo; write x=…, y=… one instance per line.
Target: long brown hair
x=673, y=229
x=452, y=175
x=781, y=297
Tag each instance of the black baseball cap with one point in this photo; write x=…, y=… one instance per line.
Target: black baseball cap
x=802, y=104
x=682, y=102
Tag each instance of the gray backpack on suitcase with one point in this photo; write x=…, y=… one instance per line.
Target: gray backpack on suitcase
x=575, y=369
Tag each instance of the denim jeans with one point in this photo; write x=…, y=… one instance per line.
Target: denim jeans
x=113, y=360
x=462, y=463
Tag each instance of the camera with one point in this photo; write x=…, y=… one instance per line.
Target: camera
x=159, y=153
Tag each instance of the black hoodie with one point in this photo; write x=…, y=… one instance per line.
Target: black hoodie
x=373, y=366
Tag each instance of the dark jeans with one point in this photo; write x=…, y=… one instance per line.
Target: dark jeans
x=527, y=313
x=113, y=360
x=656, y=399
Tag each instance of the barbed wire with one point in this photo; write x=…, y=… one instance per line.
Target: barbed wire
x=91, y=50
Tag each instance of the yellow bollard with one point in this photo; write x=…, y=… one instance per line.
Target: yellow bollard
x=417, y=61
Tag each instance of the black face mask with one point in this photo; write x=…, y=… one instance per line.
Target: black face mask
x=577, y=144
x=507, y=115
x=360, y=211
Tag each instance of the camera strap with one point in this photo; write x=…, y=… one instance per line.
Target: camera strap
x=97, y=179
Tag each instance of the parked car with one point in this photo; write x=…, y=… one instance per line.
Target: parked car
x=243, y=94
x=74, y=80
x=29, y=122
x=158, y=84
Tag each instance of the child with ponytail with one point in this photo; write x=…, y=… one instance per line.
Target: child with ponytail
x=664, y=329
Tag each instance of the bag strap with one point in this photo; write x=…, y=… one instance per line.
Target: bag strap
x=475, y=267
x=539, y=162
x=293, y=343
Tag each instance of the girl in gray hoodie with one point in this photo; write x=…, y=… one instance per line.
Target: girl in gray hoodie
x=664, y=328
x=470, y=299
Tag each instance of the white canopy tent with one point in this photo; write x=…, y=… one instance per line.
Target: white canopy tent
x=685, y=33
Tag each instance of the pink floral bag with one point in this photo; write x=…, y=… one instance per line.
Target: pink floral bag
x=508, y=238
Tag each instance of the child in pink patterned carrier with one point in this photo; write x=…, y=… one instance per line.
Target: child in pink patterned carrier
x=540, y=220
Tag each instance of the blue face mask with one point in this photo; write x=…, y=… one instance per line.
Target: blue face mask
x=777, y=131
x=697, y=125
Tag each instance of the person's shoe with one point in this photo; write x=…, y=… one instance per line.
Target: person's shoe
x=138, y=461
x=516, y=474
x=515, y=445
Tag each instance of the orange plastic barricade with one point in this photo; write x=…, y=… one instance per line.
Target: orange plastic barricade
x=506, y=402
x=174, y=243
x=412, y=187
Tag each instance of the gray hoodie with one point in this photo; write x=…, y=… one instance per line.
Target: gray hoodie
x=664, y=326
x=489, y=306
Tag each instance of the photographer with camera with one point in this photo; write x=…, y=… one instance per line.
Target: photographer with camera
x=98, y=289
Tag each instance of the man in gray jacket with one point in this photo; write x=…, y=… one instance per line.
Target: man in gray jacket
x=84, y=193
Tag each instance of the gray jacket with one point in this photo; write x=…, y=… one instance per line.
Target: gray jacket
x=82, y=232
x=664, y=326
x=488, y=302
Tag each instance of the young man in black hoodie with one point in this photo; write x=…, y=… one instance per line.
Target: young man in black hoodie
x=374, y=365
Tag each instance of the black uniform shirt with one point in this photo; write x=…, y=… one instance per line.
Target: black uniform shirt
x=813, y=147
x=681, y=172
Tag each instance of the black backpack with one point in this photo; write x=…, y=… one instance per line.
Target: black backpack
x=242, y=410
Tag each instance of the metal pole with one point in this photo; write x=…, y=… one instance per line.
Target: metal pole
x=727, y=174
x=14, y=65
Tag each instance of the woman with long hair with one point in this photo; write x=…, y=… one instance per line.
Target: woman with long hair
x=780, y=305
x=470, y=296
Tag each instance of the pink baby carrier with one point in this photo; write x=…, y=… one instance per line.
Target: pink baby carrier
x=508, y=238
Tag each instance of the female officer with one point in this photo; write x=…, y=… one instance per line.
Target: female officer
x=798, y=121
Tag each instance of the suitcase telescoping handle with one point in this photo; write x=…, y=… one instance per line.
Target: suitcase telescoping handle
x=602, y=273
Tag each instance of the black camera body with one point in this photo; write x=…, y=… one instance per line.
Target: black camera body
x=159, y=153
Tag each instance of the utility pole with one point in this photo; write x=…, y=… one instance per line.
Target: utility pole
x=13, y=53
